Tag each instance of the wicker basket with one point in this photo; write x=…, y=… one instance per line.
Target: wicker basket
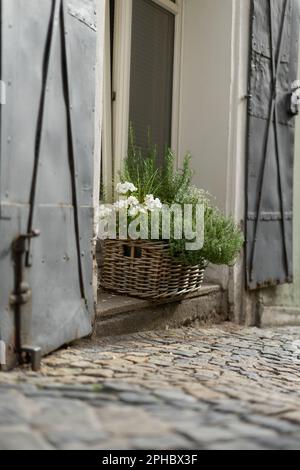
x=144, y=269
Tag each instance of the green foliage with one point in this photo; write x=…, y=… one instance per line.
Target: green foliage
x=223, y=239
x=175, y=182
x=143, y=171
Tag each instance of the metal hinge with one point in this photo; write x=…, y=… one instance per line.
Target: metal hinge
x=20, y=297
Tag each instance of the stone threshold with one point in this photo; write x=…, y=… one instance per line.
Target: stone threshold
x=119, y=315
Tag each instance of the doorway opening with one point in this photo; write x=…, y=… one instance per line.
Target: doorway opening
x=142, y=75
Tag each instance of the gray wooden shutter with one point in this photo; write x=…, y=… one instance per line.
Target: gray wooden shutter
x=48, y=53
x=271, y=132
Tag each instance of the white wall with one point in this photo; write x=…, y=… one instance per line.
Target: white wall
x=213, y=107
x=205, y=91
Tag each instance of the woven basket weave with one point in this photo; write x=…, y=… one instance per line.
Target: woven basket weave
x=145, y=269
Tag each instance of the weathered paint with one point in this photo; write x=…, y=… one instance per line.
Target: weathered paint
x=288, y=296
x=271, y=129
x=48, y=62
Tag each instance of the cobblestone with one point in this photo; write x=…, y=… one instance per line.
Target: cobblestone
x=222, y=387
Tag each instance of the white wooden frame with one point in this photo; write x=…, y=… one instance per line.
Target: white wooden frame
x=177, y=75
x=100, y=9
x=117, y=114
x=121, y=82
x=168, y=5
x=107, y=143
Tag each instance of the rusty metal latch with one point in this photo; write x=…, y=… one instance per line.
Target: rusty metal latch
x=21, y=296
x=32, y=354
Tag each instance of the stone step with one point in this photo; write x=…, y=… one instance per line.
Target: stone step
x=119, y=315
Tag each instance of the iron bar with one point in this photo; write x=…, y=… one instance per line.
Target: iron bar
x=72, y=158
x=40, y=121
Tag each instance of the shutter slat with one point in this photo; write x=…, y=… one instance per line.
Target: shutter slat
x=271, y=132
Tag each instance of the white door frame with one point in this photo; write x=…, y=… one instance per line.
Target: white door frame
x=107, y=144
x=116, y=100
x=100, y=9
x=121, y=82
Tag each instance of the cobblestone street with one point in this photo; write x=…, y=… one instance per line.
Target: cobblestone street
x=221, y=387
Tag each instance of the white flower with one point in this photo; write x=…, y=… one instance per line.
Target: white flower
x=104, y=211
x=134, y=211
x=133, y=201
x=152, y=204
x=130, y=202
x=124, y=188
x=158, y=203
x=143, y=210
x=296, y=98
x=121, y=204
x=295, y=85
